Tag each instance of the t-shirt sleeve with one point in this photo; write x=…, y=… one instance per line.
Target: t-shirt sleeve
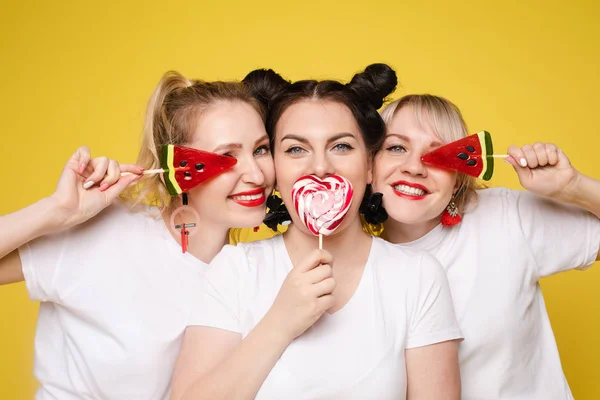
x=432, y=319
x=218, y=303
x=561, y=236
x=41, y=264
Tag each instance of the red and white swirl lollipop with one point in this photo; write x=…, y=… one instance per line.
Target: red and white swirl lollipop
x=322, y=203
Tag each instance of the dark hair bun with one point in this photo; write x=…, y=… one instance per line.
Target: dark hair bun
x=265, y=84
x=374, y=84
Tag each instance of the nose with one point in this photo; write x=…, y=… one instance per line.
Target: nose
x=251, y=173
x=413, y=165
x=323, y=166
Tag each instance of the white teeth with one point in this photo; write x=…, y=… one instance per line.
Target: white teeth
x=410, y=190
x=248, y=198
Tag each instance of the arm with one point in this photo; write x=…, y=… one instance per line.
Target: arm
x=432, y=372
x=228, y=367
x=545, y=170
x=19, y=228
x=71, y=204
x=432, y=369
x=216, y=363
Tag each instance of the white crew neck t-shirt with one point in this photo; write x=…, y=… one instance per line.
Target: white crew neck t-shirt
x=493, y=260
x=402, y=301
x=115, y=297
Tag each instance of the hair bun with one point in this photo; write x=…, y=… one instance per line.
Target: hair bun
x=265, y=84
x=374, y=84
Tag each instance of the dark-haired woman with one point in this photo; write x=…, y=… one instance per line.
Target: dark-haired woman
x=280, y=319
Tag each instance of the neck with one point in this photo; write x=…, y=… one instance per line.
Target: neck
x=207, y=242
x=398, y=232
x=348, y=247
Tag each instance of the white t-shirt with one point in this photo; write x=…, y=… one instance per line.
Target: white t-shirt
x=494, y=260
x=116, y=293
x=402, y=301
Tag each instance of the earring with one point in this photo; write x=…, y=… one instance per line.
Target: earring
x=451, y=216
x=185, y=233
x=277, y=214
x=372, y=209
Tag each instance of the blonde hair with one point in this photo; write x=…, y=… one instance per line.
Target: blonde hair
x=447, y=123
x=171, y=116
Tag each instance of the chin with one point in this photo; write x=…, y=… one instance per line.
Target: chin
x=407, y=218
x=249, y=219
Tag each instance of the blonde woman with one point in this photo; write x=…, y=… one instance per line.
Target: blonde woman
x=116, y=289
x=494, y=258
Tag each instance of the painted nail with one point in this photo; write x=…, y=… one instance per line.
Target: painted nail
x=88, y=184
x=523, y=162
x=81, y=168
x=104, y=186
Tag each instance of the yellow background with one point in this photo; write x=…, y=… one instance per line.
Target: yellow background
x=79, y=72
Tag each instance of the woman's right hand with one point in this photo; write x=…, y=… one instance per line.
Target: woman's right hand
x=306, y=293
x=87, y=186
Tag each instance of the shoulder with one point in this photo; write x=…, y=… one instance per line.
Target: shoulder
x=404, y=260
x=499, y=200
x=251, y=254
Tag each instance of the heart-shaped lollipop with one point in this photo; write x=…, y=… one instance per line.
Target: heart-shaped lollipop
x=322, y=203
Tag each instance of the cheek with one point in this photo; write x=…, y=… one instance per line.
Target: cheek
x=445, y=181
x=267, y=167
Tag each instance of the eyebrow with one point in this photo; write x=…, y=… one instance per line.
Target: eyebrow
x=407, y=139
x=331, y=139
x=227, y=146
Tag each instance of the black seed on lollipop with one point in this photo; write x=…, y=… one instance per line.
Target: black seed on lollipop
x=183, y=163
x=471, y=163
x=199, y=166
x=463, y=156
x=187, y=173
x=470, y=148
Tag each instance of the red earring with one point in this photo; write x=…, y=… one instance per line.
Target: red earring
x=185, y=233
x=451, y=216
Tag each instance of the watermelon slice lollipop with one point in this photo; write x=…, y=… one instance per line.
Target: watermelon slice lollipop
x=322, y=204
x=185, y=168
x=472, y=155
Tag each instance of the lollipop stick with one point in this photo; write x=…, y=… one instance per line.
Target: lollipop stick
x=320, y=241
x=499, y=155
x=146, y=172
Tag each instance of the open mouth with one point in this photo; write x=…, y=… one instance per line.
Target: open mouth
x=251, y=198
x=410, y=190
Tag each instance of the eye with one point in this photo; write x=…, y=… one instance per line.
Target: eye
x=262, y=150
x=396, y=149
x=295, y=150
x=342, y=147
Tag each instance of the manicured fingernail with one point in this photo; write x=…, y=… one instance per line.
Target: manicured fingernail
x=88, y=184
x=523, y=162
x=82, y=168
x=104, y=186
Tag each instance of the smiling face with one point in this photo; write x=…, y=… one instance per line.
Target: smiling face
x=413, y=192
x=236, y=198
x=320, y=137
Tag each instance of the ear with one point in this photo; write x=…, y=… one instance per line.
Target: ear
x=456, y=185
x=370, y=166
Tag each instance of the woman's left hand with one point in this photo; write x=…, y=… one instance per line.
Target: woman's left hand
x=543, y=169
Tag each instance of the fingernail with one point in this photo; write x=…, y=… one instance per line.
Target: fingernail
x=523, y=162
x=104, y=186
x=82, y=168
x=88, y=184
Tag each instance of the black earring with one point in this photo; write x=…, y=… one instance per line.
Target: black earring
x=372, y=209
x=277, y=214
